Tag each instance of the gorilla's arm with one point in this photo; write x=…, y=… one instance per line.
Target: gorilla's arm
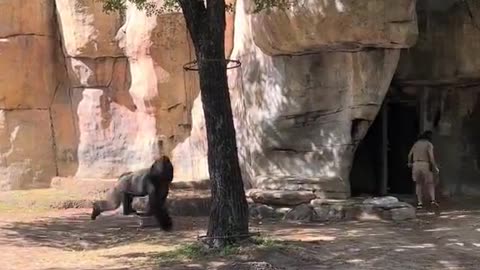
x=156, y=206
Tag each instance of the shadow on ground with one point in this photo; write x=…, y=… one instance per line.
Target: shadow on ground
x=449, y=241
x=78, y=233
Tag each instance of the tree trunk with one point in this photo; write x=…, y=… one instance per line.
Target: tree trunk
x=229, y=209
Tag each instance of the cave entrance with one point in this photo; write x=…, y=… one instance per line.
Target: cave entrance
x=380, y=163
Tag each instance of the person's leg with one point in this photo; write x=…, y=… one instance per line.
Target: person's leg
x=416, y=175
x=430, y=183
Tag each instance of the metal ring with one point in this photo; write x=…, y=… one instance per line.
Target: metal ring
x=193, y=65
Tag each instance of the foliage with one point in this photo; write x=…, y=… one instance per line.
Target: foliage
x=198, y=252
x=174, y=6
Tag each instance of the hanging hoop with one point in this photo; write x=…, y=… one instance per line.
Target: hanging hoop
x=193, y=65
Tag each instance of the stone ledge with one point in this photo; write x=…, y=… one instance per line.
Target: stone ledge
x=337, y=210
x=333, y=186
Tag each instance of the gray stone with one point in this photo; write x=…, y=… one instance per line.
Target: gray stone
x=330, y=210
x=399, y=214
x=329, y=213
x=303, y=212
x=261, y=211
x=320, y=185
x=280, y=197
x=380, y=201
x=394, y=205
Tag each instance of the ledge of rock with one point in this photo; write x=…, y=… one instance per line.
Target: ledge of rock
x=280, y=197
x=335, y=210
x=325, y=187
x=347, y=25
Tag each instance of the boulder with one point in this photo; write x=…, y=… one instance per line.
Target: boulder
x=27, y=158
x=381, y=201
x=262, y=211
x=280, y=197
x=403, y=213
x=303, y=212
x=333, y=210
x=347, y=25
x=388, y=208
x=301, y=117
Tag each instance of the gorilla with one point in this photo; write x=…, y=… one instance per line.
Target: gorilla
x=154, y=182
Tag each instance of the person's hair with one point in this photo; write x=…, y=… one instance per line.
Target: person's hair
x=426, y=135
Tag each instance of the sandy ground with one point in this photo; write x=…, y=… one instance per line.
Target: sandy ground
x=68, y=239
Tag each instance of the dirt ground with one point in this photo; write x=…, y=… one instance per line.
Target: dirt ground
x=68, y=239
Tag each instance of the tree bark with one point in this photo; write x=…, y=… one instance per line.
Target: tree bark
x=228, y=221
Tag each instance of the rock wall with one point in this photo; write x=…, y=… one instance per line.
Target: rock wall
x=91, y=95
x=310, y=111
x=127, y=96
x=28, y=75
x=443, y=69
x=105, y=93
x=299, y=117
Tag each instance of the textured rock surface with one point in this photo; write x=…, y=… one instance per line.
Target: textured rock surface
x=309, y=111
x=262, y=211
x=27, y=33
x=447, y=47
x=128, y=96
x=380, y=201
x=347, y=25
x=26, y=153
x=280, y=197
x=88, y=31
x=303, y=212
x=442, y=72
x=28, y=77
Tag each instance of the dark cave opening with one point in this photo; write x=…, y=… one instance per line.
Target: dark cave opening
x=380, y=162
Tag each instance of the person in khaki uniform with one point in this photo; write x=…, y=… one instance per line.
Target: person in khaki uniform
x=422, y=162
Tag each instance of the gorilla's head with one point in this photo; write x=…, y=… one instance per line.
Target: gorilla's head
x=162, y=167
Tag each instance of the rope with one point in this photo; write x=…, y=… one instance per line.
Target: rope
x=193, y=65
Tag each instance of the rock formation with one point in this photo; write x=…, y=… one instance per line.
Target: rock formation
x=90, y=95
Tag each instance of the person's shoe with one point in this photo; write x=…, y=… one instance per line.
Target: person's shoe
x=436, y=208
x=419, y=206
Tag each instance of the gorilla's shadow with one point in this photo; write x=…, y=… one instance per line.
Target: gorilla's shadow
x=78, y=232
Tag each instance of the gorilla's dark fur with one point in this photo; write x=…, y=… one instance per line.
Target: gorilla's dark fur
x=154, y=182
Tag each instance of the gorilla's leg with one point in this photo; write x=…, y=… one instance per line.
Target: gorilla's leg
x=157, y=208
x=112, y=202
x=164, y=219
x=127, y=204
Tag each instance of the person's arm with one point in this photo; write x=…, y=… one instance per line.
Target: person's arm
x=410, y=157
x=432, y=158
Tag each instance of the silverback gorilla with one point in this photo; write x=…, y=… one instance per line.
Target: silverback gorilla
x=154, y=182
